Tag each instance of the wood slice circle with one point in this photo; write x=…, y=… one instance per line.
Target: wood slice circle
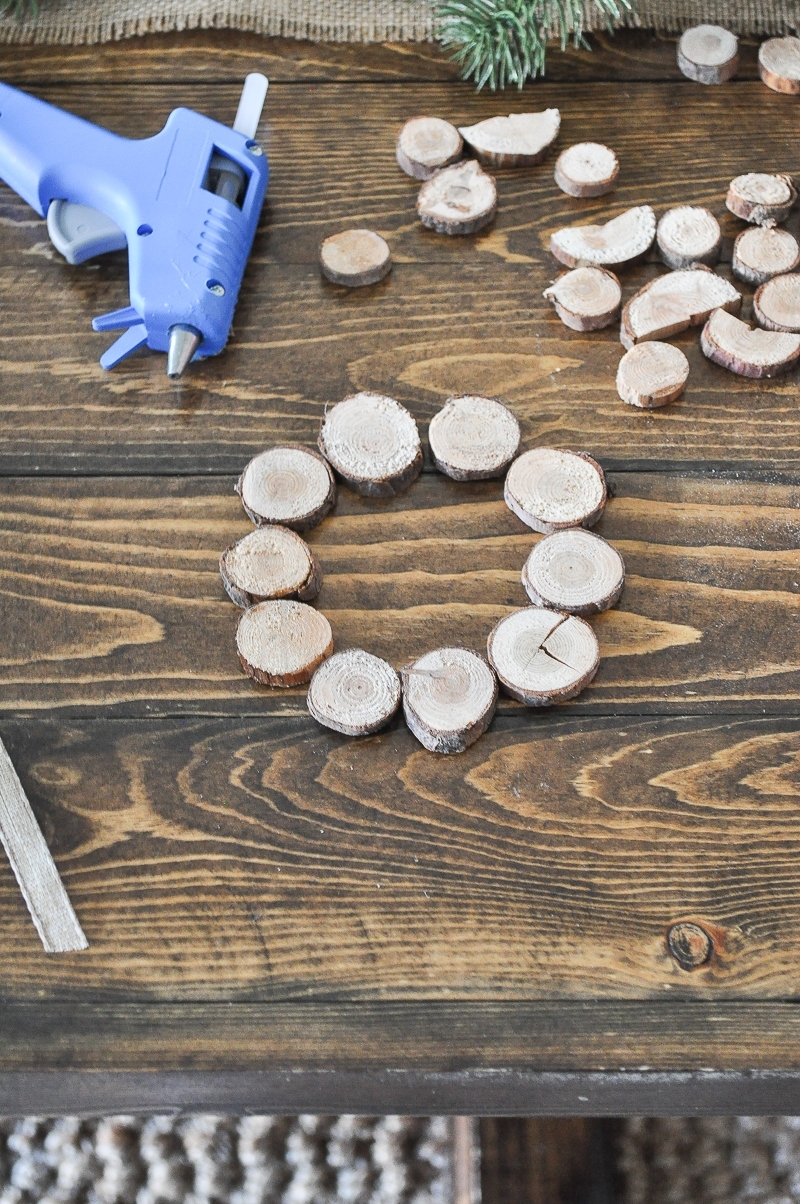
x=355, y=258
x=543, y=656
x=586, y=298
x=550, y=489
x=620, y=241
x=761, y=198
x=281, y=643
x=776, y=305
x=586, y=169
x=270, y=562
x=290, y=485
x=708, y=54
x=373, y=444
x=354, y=693
x=574, y=571
x=747, y=352
x=762, y=252
x=688, y=235
x=673, y=302
x=425, y=144
x=449, y=698
x=473, y=438
x=458, y=200
x=652, y=374
x=521, y=140
x=779, y=64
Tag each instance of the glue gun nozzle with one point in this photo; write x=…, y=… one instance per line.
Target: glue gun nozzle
x=183, y=342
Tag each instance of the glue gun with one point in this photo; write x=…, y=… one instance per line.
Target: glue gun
x=185, y=203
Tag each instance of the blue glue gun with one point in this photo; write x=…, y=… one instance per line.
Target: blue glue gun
x=185, y=203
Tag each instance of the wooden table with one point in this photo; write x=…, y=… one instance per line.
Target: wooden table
x=283, y=919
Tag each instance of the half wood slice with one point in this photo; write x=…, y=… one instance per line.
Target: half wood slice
x=355, y=258
x=449, y=698
x=458, y=200
x=473, y=438
x=574, y=571
x=618, y=242
x=290, y=485
x=762, y=252
x=670, y=303
x=761, y=198
x=708, y=54
x=281, y=643
x=521, y=140
x=688, y=235
x=755, y=353
x=586, y=169
x=652, y=375
x=425, y=144
x=779, y=64
x=776, y=305
x=586, y=298
x=354, y=693
x=542, y=656
x=550, y=489
x=270, y=562
x=373, y=444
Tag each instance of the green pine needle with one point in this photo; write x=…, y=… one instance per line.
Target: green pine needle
x=19, y=8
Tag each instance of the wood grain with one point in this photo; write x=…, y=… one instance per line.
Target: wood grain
x=555, y=1160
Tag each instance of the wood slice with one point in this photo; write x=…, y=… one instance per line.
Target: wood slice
x=779, y=64
x=355, y=258
x=543, y=656
x=425, y=144
x=521, y=140
x=373, y=444
x=290, y=485
x=270, y=562
x=708, y=54
x=354, y=693
x=449, y=698
x=473, y=438
x=586, y=169
x=688, y=235
x=760, y=198
x=574, y=571
x=551, y=489
x=652, y=374
x=586, y=298
x=670, y=303
x=458, y=200
x=281, y=643
x=776, y=305
x=747, y=352
x=761, y=252
x=618, y=242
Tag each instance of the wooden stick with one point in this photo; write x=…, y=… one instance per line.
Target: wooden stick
x=466, y=1161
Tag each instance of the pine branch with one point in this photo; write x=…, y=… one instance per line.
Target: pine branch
x=19, y=8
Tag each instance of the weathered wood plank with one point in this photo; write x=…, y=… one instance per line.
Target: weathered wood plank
x=567, y=1160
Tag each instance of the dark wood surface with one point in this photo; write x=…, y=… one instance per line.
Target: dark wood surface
x=281, y=917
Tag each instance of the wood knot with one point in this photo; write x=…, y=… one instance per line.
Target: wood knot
x=690, y=945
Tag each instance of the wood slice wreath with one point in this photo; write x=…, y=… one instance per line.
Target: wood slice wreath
x=776, y=305
x=688, y=235
x=574, y=571
x=270, y=562
x=619, y=242
x=449, y=698
x=652, y=374
x=586, y=298
x=289, y=485
x=670, y=303
x=521, y=140
x=543, y=657
x=354, y=693
x=762, y=252
x=587, y=169
x=373, y=444
x=473, y=438
x=281, y=643
x=550, y=489
x=425, y=144
x=458, y=200
x=708, y=54
x=761, y=198
x=779, y=64
x=355, y=258
x=755, y=353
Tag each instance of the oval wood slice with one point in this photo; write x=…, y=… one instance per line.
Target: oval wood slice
x=521, y=140
x=550, y=489
x=688, y=235
x=290, y=485
x=473, y=438
x=270, y=562
x=762, y=252
x=779, y=64
x=354, y=693
x=776, y=305
x=673, y=302
x=425, y=144
x=449, y=698
x=708, y=54
x=458, y=200
x=761, y=198
x=747, y=352
x=618, y=242
x=542, y=656
x=586, y=169
x=652, y=374
x=373, y=444
x=586, y=298
x=574, y=571
x=355, y=258
x=281, y=643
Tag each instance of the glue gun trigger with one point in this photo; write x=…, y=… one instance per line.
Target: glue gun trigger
x=80, y=232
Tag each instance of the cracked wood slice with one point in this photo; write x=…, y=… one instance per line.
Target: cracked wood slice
x=270, y=562
x=776, y=305
x=746, y=351
x=425, y=144
x=779, y=64
x=760, y=198
x=708, y=54
x=586, y=169
x=354, y=693
x=473, y=438
x=550, y=489
x=458, y=200
x=373, y=444
x=521, y=140
x=618, y=242
x=574, y=571
x=586, y=298
x=670, y=303
x=290, y=485
x=281, y=643
x=652, y=374
x=355, y=258
x=762, y=252
x=449, y=698
x=688, y=235
x=543, y=656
